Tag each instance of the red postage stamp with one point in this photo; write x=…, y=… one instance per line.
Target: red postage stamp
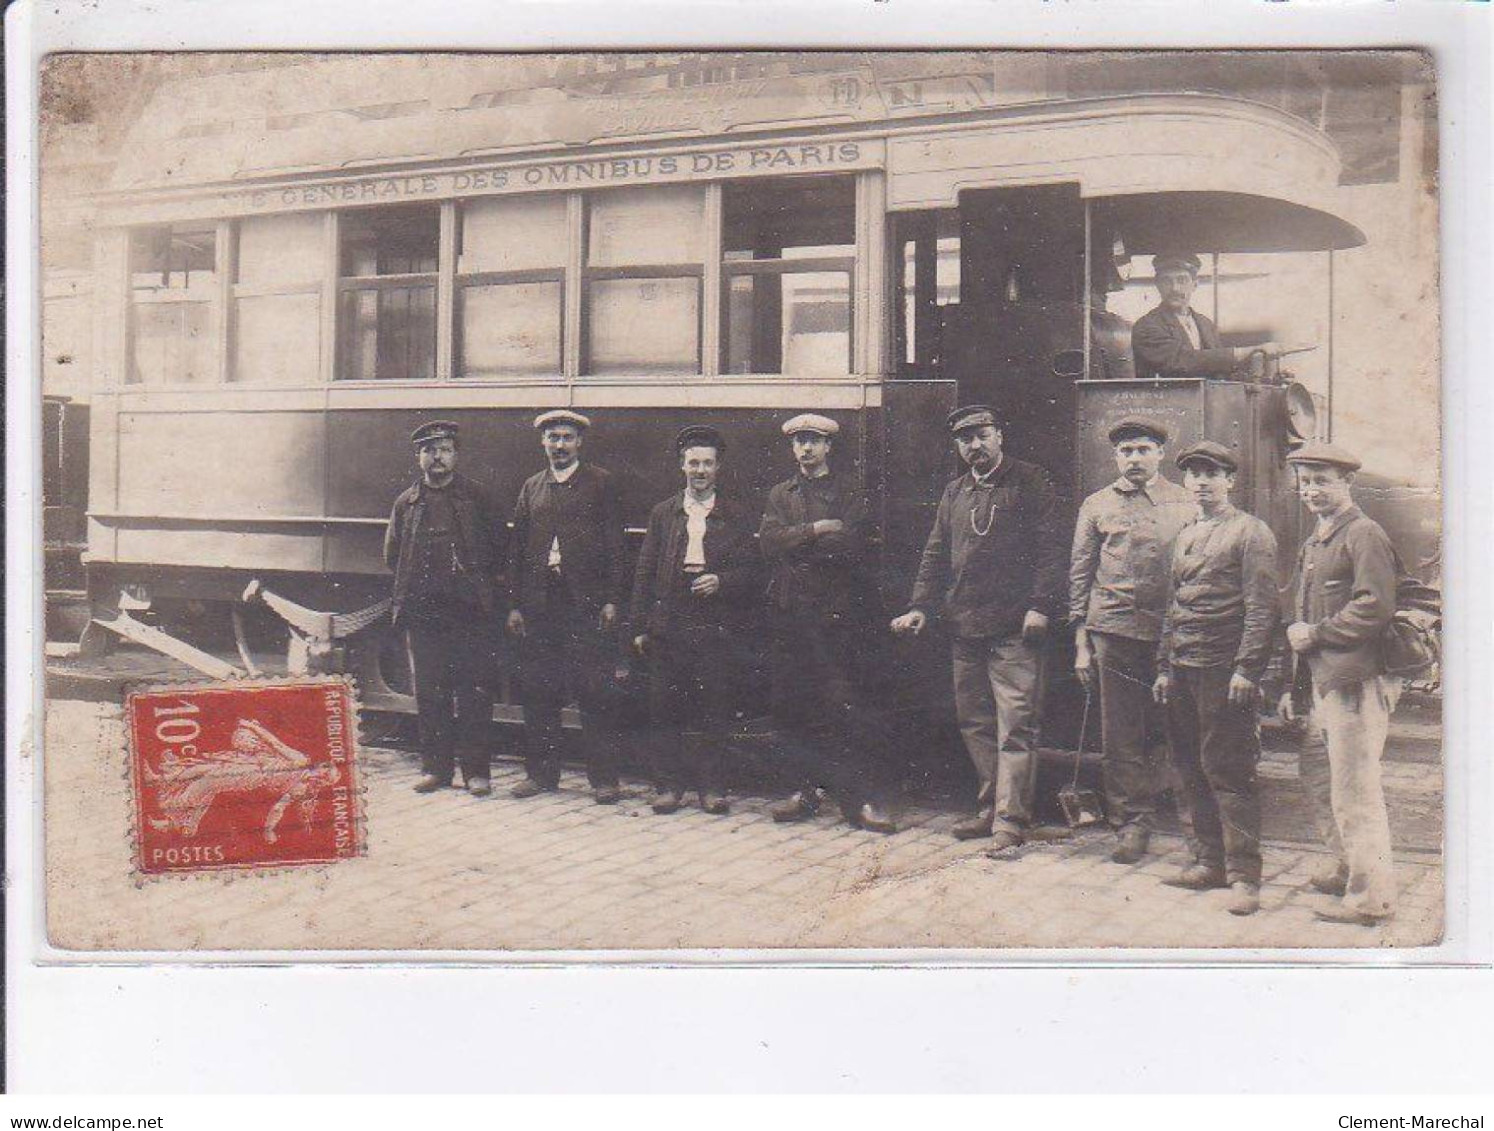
x=244, y=775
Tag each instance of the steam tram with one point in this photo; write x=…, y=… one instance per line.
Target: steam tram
x=280, y=305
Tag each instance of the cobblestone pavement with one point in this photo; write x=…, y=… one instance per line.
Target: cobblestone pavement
x=452, y=872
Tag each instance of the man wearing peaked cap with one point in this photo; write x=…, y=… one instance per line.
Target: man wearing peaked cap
x=1174, y=340
x=1117, y=595
x=815, y=535
x=1215, y=647
x=1342, y=600
x=700, y=435
x=443, y=546
x=993, y=567
x=568, y=573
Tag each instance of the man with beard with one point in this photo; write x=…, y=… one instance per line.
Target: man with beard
x=1216, y=643
x=993, y=566
x=1174, y=340
x=696, y=580
x=1117, y=595
x=1343, y=599
x=442, y=546
x=815, y=535
x=568, y=575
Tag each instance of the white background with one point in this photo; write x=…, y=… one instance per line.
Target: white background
x=171, y=1028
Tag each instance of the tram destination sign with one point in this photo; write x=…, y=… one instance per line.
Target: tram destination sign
x=526, y=177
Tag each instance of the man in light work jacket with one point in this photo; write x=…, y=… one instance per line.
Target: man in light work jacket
x=696, y=580
x=568, y=576
x=993, y=567
x=1216, y=643
x=442, y=544
x=815, y=536
x=1174, y=340
x=1342, y=601
x=1117, y=596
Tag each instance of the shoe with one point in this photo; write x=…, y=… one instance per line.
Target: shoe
x=430, y=783
x=1001, y=841
x=666, y=801
x=1131, y=844
x=973, y=828
x=794, y=808
x=530, y=788
x=1198, y=877
x=874, y=819
x=1338, y=913
x=607, y=795
x=1244, y=899
x=715, y=804
x=1330, y=880
x=479, y=787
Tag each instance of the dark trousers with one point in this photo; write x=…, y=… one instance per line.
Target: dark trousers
x=454, y=654
x=693, y=680
x=565, y=652
x=1215, y=747
x=1130, y=726
x=829, y=734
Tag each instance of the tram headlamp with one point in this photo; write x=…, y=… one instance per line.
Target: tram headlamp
x=1301, y=413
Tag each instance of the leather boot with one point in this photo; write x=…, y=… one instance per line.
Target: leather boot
x=1198, y=877
x=973, y=828
x=796, y=807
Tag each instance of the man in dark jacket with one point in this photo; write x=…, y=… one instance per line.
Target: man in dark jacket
x=993, y=566
x=568, y=576
x=697, y=576
x=815, y=536
x=442, y=544
x=1174, y=340
x=1342, y=601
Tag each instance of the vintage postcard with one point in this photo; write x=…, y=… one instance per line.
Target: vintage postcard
x=953, y=501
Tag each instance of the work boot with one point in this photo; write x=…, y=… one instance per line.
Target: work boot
x=714, y=803
x=1330, y=879
x=430, y=783
x=1002, y=841
x=973, y=828
x=607, y=795
x=1244, y=899
x=666, y=801
x=796, y=807
x=1131, y=844
x=1199, y=877
x=874, y=819
x=530, y=788
x=479, y=787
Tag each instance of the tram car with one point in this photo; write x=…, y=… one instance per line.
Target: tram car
x=291, y=279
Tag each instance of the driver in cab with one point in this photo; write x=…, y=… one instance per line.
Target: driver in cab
x=1174, y=340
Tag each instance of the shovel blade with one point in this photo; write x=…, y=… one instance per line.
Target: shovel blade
x=1081, y=807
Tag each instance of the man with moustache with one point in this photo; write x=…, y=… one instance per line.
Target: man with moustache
x=442, y=545
x=815, y=536
x=568, y=574
x=693, y=589
x=1117, y=596
x=1174, y=340
x=993, y=567
x=1216, y=643
x=1342, y=601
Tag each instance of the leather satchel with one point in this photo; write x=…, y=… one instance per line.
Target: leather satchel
x=1412, y=645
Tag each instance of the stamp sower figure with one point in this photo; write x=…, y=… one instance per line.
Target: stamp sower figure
x=1342, y=600
x=1117, y=595
x=993, y=565
x=1174, y=340
x=1216, y=643
x=568, y=574
x=814, y=536
x=443, y=546
x=697, y=578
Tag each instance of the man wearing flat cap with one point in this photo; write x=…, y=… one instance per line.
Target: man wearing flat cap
x=1174, y=340
x=443, y=546
x=993, y=568
x=1216, y=643
x=1117, y=595
x=815, y=536
x=695, y=585
x=1342, y=599
x=568, y=574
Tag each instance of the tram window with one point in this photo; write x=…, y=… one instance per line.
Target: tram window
x=386, y=317
x=789, y=249
x=644, y=270
x=510, y=286
x=173, y=290
x=928, y=290
x=277, y=299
